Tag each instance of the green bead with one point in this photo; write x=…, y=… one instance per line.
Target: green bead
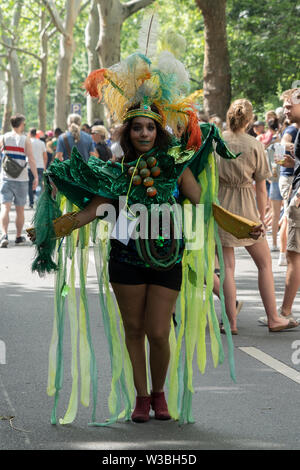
x=145, y=173
x=142, y=164
x=151, y=162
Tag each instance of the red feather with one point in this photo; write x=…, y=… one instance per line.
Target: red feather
x=93, y=81
x=194, y=131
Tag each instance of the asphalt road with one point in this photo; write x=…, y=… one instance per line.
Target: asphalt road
x=260, y=411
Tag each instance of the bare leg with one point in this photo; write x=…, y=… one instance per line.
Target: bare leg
x=132, y=301
x=5, y=208
x=260, y=254
x=276, y=206
x=283, y=235
x=292, y=282
x=159, y=307
x=229, y=286
x=19, y=220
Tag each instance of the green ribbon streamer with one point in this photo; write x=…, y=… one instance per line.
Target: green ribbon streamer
x=72, y=309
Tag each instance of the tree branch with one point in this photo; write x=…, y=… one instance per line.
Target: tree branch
x=84, y=6
x=55, y=16
x=52, y=32
x=32, y=11
x=133, y=6
x=8, y=46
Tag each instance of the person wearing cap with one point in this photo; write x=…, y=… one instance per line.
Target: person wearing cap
x=100, y=136
x=258, y=128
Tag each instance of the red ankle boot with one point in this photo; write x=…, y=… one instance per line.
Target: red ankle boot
x=159, y=405
x=142, y=410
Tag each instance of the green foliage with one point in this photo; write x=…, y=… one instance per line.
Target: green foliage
x=263, y=41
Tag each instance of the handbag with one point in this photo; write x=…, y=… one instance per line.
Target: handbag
x=10, y=166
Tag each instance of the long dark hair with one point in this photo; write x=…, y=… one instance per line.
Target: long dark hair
x=163, y=137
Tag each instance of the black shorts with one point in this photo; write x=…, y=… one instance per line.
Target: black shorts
x=130, y=274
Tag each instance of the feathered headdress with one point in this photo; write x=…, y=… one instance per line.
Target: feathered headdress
x=149, y=83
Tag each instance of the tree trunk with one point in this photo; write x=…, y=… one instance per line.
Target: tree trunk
x=112, y=14
x=42, y=104
x=216, y=73
x=18, y=92
x=62, y=102
x=94, y=109
x=109, y=47
x=7, y=113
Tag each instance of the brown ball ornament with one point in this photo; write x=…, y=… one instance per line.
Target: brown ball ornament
x=155, y=171
x=151, y=192
x=148, y=182
x=151, y=162
x=133, y=171
x=144, y=173
x=136, y=180
x=142, y=164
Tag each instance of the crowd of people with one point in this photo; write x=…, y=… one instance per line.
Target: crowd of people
x=256, y=180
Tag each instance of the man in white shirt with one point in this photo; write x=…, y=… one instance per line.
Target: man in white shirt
x=41, y=159
x=15, y=147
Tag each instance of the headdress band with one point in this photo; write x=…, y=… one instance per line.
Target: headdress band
x=143, y=111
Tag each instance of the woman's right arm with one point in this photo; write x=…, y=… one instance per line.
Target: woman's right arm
x=89, y=213
x=65, y=224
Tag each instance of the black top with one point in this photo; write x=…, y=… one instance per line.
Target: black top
x=104, y=151
x=292, y=131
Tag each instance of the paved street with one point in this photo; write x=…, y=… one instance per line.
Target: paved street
x=260, y=411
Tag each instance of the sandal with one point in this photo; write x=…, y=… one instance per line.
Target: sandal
x=223, y=332
x=291, y=324
x=264, y=320
x=239, y=305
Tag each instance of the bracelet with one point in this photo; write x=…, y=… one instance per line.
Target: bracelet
x=64, y=225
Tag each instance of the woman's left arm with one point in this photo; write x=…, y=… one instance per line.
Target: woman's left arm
x=189, y=187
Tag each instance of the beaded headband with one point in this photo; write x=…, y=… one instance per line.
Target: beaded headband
x=143, y=111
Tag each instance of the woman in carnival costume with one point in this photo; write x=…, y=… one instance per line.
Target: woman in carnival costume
x=152, y=272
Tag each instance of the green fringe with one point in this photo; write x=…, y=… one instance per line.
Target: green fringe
x=47, y=210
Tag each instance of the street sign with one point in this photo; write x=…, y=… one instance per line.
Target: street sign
x=76, y=108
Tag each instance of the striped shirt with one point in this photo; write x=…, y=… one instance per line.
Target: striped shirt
x=15, y=148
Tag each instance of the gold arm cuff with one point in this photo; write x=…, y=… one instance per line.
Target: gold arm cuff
x=64, y=225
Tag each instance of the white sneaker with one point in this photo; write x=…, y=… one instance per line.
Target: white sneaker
x=274, y=248
x=282, y=260
x=4, y=241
